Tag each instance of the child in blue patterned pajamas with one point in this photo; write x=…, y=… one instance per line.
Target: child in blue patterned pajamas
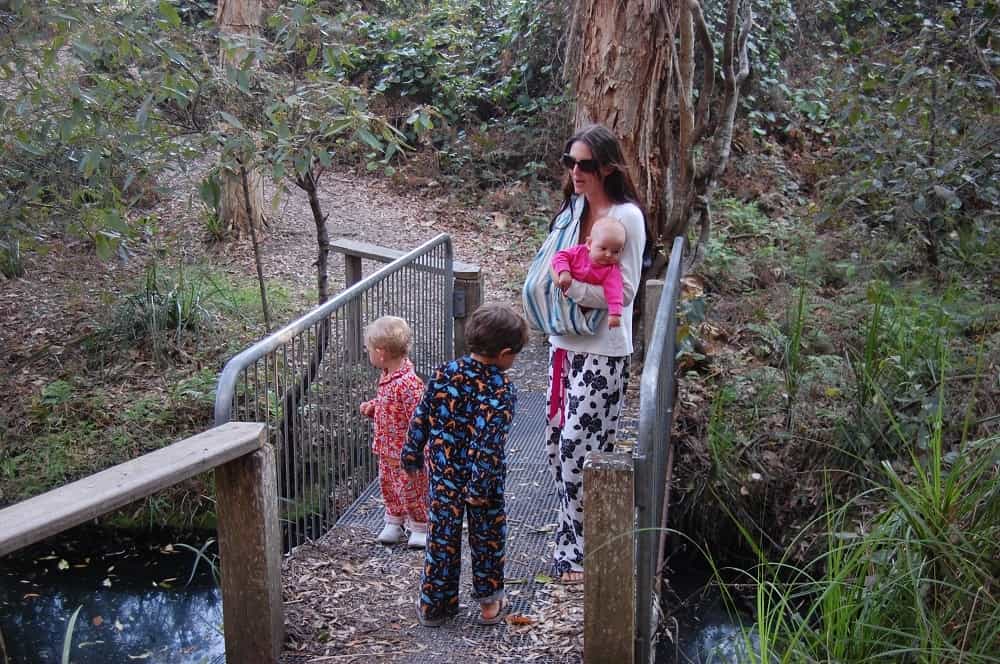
x=463, y=421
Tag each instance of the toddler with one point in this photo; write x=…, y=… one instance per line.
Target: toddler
x=399, y=389
x=461, y=425
x=596, y=262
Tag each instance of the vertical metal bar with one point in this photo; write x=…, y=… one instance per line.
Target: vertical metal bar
x=655, y=418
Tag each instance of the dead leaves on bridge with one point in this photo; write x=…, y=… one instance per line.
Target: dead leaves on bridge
x=349, y=600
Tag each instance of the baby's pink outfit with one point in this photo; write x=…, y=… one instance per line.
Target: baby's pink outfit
x=576, y=261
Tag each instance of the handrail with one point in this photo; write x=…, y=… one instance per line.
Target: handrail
x=246, y=495
x=656, y=406
x=32, y=520
x=226, y=388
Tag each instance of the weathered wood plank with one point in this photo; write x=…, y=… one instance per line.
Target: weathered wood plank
x=355, y=330
x=609, y=559
x=471, y=291
x=35, y=519
x=250, y=551
x=375, y=252
x=651, y=302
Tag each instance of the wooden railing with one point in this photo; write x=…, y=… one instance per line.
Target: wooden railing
x=247, y=506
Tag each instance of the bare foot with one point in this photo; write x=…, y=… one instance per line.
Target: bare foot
x=492, y=613
x=571, y=576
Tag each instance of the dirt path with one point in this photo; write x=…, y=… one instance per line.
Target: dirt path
x=49, y=317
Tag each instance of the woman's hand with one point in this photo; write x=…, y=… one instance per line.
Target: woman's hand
x=368, y=409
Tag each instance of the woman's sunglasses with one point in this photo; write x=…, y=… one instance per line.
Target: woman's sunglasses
x=586, y=165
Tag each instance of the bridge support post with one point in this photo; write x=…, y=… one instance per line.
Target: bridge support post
x=650, y=304
x=355, y=327
x=469, y=289
x=609, y=560
x=250, y=551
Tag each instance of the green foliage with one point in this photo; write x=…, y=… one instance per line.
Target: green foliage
x=11, y=261
x=909, y=582
x=792, y=357
x=916, y=98
x=773, y=103
x=210, y=192
x=96, y=99
x=162, y=309
x=899, y=369
x=67, y=648
x=454, y=77
x=721, y=437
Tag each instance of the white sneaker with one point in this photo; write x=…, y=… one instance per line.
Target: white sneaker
x=392, y=533
x=417, y=540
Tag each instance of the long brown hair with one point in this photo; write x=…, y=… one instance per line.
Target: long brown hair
x=607, y=151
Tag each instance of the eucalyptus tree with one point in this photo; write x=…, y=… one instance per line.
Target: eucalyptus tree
x=633, y=67
x=96, y=100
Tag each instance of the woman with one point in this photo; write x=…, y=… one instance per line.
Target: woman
x=588, y=374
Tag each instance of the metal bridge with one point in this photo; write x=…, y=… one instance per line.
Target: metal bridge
x=305, y=383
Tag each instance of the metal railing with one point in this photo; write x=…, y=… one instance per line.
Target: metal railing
x=655, y=453
x=307, y=380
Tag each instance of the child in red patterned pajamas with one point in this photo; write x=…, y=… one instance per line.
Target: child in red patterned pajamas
x=398, y=393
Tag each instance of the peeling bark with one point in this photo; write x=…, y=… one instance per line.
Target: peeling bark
x=239, y=20
x=635, y=73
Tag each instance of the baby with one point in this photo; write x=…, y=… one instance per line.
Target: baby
x=596, y=262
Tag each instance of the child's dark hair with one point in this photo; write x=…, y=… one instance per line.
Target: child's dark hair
x=493, y=327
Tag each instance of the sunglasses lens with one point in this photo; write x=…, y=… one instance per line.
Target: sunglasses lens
x=586, y=165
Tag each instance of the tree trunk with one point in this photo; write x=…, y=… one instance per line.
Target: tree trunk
x=635, y=73
x=239, y=20
x=623, y=80
x=308, y=183
x=245, y=182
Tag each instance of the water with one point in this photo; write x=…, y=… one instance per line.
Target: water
x=703, y=630
x=136, y=606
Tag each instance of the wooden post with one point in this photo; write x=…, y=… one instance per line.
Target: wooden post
x=250, y=551
x=609, y=560
x=469, y=288
x=355, y=329
x=650, y=305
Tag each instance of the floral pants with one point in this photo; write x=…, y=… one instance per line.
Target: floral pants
x=594, y=387
x=405, y=498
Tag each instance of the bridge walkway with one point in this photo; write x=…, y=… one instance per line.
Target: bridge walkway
x=349, y=599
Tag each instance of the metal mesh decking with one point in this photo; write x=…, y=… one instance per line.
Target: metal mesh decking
x=531, y=510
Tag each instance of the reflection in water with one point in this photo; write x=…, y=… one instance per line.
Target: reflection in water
x=720, y=641
x=702, y=630
x=136, y=607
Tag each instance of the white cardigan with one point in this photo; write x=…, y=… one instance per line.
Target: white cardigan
x=617, y=341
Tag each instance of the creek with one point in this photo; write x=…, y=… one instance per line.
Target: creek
x=137, y=604
x=703, y=630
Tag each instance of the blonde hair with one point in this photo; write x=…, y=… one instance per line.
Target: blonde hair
x=610, y=227
x=389, y=333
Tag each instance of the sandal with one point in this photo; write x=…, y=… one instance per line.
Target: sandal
x=428, y=622
x=501, y=613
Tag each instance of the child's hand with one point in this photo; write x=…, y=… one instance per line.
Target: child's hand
x=368, y=409
x=614, y=321
x=564, y=281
